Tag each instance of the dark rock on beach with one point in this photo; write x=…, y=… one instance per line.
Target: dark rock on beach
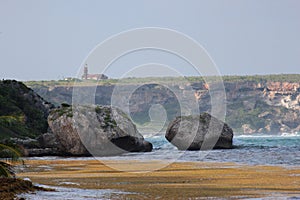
x=11, y=187
x=132, y=144
x=45, y=145
x=199, y=132
x=96, y=130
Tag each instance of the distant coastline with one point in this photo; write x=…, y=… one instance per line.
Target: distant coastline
x=255, y=104
x=133, y=80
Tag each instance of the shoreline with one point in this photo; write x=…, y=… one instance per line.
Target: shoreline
x=178, y=180
x=117, y=159
x=10, y=188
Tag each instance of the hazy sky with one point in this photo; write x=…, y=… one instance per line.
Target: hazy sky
x=49, y=39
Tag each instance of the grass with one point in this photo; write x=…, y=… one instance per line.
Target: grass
x=232, y=78
x=176, y=181
x=63, y=110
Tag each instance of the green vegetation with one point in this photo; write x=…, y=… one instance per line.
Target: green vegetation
x=64, y=110
x=19, y=117
x=108, y=120
x=78, y=82
x=8, y=155
x=264, y=78
x=10, y=186
x=241, y=115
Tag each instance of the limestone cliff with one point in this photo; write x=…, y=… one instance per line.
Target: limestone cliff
x=266, y=104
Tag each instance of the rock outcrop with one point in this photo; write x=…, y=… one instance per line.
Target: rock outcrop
x=96, y=130
x=44, y=145
x=23, y=119
x=199, y=133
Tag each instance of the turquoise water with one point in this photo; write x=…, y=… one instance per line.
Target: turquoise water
x=256, y=149
x=259, y=149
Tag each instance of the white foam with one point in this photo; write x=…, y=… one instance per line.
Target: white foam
x=258, y=135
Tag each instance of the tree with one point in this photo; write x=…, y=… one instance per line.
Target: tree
x=8, y=156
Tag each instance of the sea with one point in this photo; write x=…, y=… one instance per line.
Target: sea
x=255, y=149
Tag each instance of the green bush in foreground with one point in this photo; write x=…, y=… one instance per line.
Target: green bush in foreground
x=8, y=156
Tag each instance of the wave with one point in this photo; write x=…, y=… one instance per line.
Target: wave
x=290, y=134
x=153, y=136
x=283, y=135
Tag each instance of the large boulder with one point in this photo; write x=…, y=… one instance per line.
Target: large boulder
x=199, y=133
x=96, y=130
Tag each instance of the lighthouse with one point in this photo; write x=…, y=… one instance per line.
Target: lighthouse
x=85, y=72
x=87, y=76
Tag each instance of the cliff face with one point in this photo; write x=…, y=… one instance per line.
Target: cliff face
x=253, y=106
x=264, y=107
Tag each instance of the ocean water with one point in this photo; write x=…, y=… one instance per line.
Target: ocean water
x=256, y=149
x=73, y=194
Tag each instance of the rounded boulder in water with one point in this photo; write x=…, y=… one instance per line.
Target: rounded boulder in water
x=199, y=132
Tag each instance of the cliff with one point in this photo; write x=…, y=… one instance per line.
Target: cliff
x=261, y=104
x=264, y=106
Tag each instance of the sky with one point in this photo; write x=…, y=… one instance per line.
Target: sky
x=50, y=39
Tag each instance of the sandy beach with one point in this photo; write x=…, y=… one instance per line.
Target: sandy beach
x=180, y=180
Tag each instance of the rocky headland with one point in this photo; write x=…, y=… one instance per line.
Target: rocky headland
x=38, y=128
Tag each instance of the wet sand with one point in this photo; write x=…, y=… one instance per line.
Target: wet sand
x=193, y=180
